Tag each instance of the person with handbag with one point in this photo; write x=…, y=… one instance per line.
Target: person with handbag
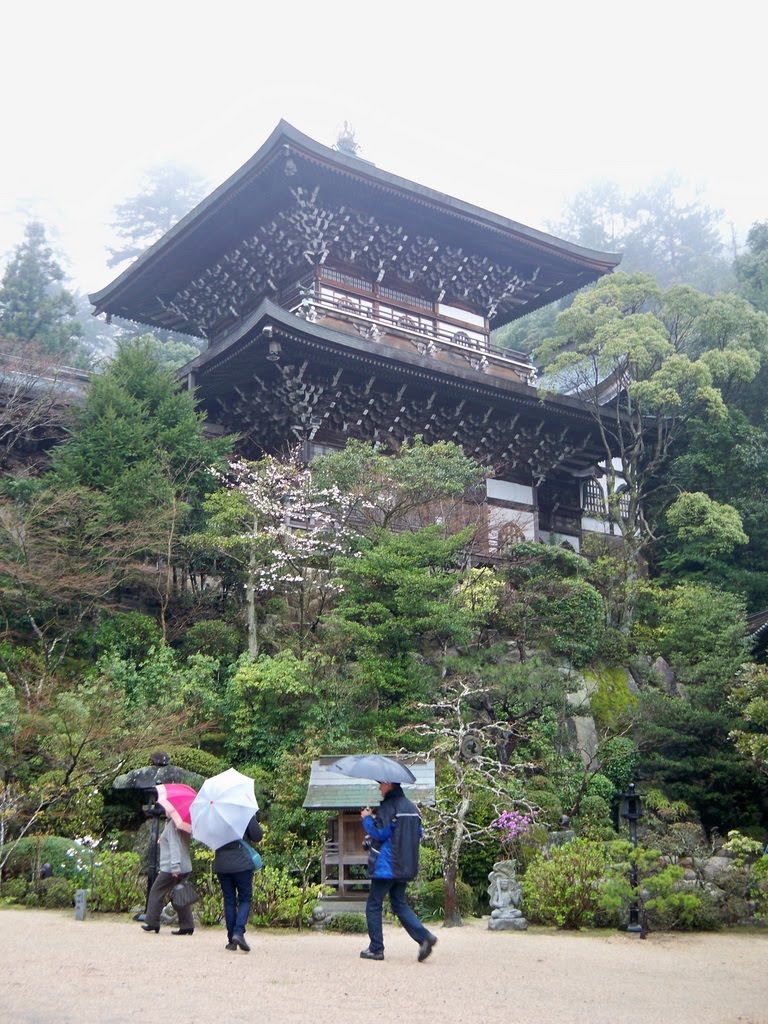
x=175, y=866
x=234, y=867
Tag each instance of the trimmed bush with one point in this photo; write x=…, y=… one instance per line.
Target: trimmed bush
x=429, y=899
x=563, y=889
x=56, y=892
x=280, y=901
x=117, y=885
x=347, y=922
x=14, y=889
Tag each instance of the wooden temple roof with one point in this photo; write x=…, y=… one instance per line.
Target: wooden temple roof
x=297, y=203
x=280, y=379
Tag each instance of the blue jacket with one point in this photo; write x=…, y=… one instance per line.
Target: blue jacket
x=395, y=832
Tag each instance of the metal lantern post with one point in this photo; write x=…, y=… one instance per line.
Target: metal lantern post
x=631, y=811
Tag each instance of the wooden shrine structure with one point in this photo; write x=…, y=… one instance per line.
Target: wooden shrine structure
x=339, y=300
x=344, y=860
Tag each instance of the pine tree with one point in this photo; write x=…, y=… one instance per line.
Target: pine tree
x=34, y=306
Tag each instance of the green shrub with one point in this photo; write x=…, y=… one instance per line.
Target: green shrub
x=347, y=922
x=129, y=634
x=600, y=785
x=213, y=637
x=742, y=847
x=619, y=758
x=759, y=887
x=280, y=901
x=575, y=615
x=668, y=904
x=563, y=888
x=612, y=647
x=14, y=889
x=665, y=900
x=594, y=818
x=210, y=908
x=117, y=886
x=429, y=899
x=192, y=759
x=56, y=892
x=31, y=853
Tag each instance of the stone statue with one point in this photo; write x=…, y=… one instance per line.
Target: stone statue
x=505, y=894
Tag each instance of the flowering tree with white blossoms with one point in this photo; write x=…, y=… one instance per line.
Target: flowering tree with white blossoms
x=283, y=532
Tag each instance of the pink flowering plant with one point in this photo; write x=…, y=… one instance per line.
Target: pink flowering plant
x=512, y=828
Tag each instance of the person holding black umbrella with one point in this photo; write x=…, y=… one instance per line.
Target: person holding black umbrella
x=393, y=861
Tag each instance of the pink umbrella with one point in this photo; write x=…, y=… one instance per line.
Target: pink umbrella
x=175, y=798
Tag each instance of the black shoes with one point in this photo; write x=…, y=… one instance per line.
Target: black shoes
x=184, y=931
x=150, y=928
x=231, y=946
x=426, y=947
x=368, y=954
x=239, y=940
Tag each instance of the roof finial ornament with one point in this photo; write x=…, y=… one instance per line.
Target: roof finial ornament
x=345, y=143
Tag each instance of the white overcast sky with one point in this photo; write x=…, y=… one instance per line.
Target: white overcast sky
x=512, y=106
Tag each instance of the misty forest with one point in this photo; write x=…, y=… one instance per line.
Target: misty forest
x=159, y=592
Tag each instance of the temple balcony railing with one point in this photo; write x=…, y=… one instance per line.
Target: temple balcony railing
x=376, y=316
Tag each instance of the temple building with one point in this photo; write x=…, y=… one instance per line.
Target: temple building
x=338, y=300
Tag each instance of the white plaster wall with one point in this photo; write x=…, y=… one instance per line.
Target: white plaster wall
x=499, y=517
x=505, y=490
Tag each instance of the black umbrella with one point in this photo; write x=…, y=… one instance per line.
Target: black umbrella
x=373, y=766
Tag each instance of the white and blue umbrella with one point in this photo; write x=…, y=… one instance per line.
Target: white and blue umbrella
x=222, y=809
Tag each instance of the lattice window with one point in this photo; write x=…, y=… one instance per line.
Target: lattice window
x=507, y=535
x=594, y=501
x=624, y=504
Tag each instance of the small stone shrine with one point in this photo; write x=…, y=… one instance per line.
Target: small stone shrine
x=505, y=894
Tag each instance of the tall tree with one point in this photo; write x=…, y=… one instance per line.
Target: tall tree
x=659, y=232
x=283, y=532
x=166, y=194
x=136, y=432
x=34, y=305
x=751, y=267
x=646, y=362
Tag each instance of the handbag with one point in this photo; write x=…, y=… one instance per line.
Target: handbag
x=184, y=894
x=255, y=856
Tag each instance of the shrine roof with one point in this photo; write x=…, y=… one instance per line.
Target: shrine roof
x=328, y=790
x=297, y=202
x=278, y=371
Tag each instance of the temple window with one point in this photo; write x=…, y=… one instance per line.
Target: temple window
x=594, y=500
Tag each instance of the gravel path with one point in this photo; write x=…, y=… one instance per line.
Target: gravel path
x=55, y=970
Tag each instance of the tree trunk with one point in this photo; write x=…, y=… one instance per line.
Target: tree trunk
x=250, y=598
x=452, y=917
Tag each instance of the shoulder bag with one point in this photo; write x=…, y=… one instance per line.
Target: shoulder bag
x=255, y=856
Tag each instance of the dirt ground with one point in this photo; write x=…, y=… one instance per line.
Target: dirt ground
x=56, y=970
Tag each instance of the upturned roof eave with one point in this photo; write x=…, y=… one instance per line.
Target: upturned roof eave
x=285, y=134
x=270, y=312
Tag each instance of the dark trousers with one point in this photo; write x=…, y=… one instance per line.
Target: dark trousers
x=237, y=890
x=400, y=908
x=159, y=895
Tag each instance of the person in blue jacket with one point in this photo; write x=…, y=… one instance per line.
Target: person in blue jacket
x=393, y=861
